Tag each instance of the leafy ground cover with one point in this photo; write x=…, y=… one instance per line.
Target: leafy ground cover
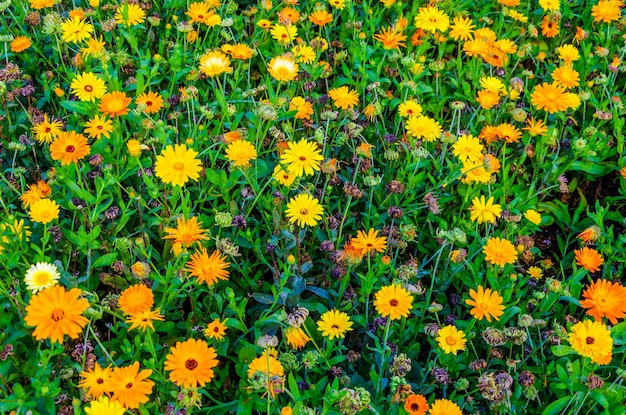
x=332, y=207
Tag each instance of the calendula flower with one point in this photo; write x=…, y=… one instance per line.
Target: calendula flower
x=284, y=34
x=56, y=312
x=409, y=108
x=535, y=272
x=47, y=130
x=99, y=126
x=461, y=28
x=391, y=38
x=305, y=210
x=334, y=324
x=76, y=30
x=69, y=147
x=320, y=17
x=215, y=63
x=20, y=44
x=549, y=27
x=533, y=216
x=499, y=252
x=304, y=108
x=150, y=102
x=486, y=304
x=88, y=87
x=568, y=53
x=589, y=235
x=105, y=406
x=240, y=153
x=265, y=367
x=444, y=407
x=114, y=104
x=487, y=99
x=451, y=340
x=208, y=268
x=468, y=147
x=96, y=381
x=604, y=298
x=343, y=97
x=431, y=19
x=129, y=14
x=177, y=165
x=41, y=4
x=303, y=53
x=589, y=259
x=44, y=211
x=144, y=319
x=393, y=301
x=282, y=176
x=191, y=363
x=536, y=127
x=186, y=234
x=302, y=158
x=591, y=339
x=200, y=13
x=130, y=386
x=241, y=51
x=422, y=127
x=369, y=242
x=216, y=329
x=416, y=404
x=136, y=299
x=282, y=68
x=606, y=11
x=484, y=210
x=41, y=275
x=296, y=337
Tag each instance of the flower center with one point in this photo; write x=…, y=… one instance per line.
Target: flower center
x=393, y=302
x=304, y=211
x=178, y=166
x=148, y=103
x=57, y=314
x=100, y=381
x=415, y=407
x=70, y=149
x=216, y=329
x=450, y=341
x=484, y=306
x=302, y=158
x=48, y=129
x=334, y=326
x=191, y=364
x=590, y=340
x=41, y=278
x=88, y=88
x=129, y=385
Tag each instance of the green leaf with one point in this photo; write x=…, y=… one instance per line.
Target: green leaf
x=82, y=108
x=555, y=407
x=562, y=350
x=597, y=396
x=104, y=260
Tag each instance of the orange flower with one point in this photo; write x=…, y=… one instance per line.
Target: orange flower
x=114, y=104
x=416, y=405
x=589, y=235
x=589, y=259
x=605, y=299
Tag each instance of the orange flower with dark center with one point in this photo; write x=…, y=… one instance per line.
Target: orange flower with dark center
x=589, y=259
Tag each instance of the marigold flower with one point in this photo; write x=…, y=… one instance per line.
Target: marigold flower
x=393, y=302
x=591, y=339
x=305, y=210
x=589, y=259
x=500, y=252
x=451, y=340
x=486, y=304
x=334, y=324
x=177, y=165
x=191, y=363
x=130, y=386
x=604, y=298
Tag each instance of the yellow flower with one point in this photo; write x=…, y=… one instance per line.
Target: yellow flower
x=393, y=301
x=422, y=127
x=284, y=34
x=208, y=269
x=304, y=210
x=215, y=63
x=44, y=211
x=390, y=38
x=461, y=29
x=444, y=407
x=282, y=68
x=76, y=30
x=303, y=53
x=99, y=126
x=216, y=329
x=334, y=324
x=296, y=337
x=282, y=176
x=468, y=148
x=143, y=319
x=369, y=242
x=96, y=381
x=191, y=363
x=46, y=131
x=451, y=340
x=500, y=252
x=568, y=53
x=302, y=158
x=304, y=108
x=484, y=211
x=606, y=11
x=343, y=97
x=129, y=14
x=486, y=304
x=409, y=108
x=185, y=234
x=240, y=152
x=533, y=216
x=177, y=165
x=550, y=5
x=105, y=406
x=591, y=339
x=431, y=19
x=41, y=275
